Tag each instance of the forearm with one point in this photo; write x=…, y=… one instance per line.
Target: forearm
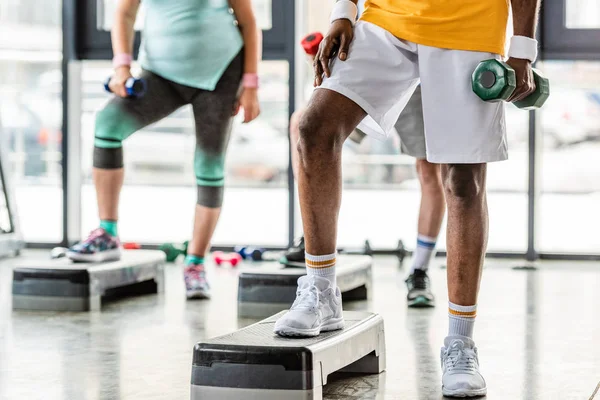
x=252, y=37
x=122, y=33
x=251, y=34
x=525, y=17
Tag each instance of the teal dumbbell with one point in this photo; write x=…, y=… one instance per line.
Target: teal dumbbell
x=495, y=80
x=173, y=251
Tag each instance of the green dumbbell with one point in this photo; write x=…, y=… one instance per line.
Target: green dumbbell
x=536, y=99
x=494, y=80
x=173, y=251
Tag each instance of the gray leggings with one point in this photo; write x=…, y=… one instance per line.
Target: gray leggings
x=212, y=116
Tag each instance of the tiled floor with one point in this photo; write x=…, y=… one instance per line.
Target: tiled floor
x=538, y=334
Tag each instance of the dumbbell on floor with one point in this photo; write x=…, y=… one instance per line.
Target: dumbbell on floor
x=365, y=250
x=495, y=80
x=232, y=258
x=173, y=251
x=250, y=253
x=400, y=252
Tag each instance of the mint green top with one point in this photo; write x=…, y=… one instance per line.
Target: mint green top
x=190, y=42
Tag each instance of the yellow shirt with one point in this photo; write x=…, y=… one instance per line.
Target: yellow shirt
x=476, y=25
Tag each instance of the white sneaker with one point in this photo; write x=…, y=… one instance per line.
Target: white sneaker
x=460, y=368
x=317, y=308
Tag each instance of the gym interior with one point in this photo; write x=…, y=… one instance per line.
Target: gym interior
x=124, y=329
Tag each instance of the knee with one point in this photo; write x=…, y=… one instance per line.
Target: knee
x=464, y=182
x=112, y=127
x=319, y=136
x=209, y=168
x=295, y=125
x=429, y=175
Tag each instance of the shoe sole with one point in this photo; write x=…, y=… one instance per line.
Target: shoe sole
x=197, y=295
x=464, y=393
x=421, y=302
x=102, y=256
x=332, y=325
x=294, y=264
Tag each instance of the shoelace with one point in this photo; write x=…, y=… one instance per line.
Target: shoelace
x=306, y=297
x=95, y=234
x=419, y=280
x=457, y=357
x=194, y=273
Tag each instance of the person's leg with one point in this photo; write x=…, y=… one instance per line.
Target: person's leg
x=431, y=213
x=411, y=129
x=296, y=253
x=327, y=122
x=213, y=117
x=114, y=123
x=356, y=86
x=467, y=231
x=464, y=133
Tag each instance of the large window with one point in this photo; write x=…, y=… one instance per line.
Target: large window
x=583, y=14
x=157, y=202
x=570, y=132
x=31, y=112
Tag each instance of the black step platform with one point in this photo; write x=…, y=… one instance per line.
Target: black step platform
x=271, y=287
x=61, y=285
x=254, y=363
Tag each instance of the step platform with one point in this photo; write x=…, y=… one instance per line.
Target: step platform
x=254, y=363
x=62, y=285
x=271, y=287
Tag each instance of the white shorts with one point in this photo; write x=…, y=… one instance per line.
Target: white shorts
x=381, y=74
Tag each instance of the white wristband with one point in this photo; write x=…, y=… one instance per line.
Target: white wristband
x=344, y=9
x=523, y=47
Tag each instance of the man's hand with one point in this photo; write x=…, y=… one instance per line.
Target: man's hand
x=117, y=82
x=337, y=40
x=249, y=102
x=525, y=81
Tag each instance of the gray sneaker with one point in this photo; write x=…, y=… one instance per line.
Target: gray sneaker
x=419, y=290
x=460, y=368
x=317, y=308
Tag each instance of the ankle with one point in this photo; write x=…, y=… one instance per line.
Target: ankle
x=423, y=252
x=109, y=226
x=461, y=320
x=321, y=265
x=192, y=259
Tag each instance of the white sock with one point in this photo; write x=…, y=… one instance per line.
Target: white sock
x=423, y=253
x=323, y=266
x=462, y=320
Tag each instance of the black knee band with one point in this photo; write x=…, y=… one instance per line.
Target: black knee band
x=108, y=158
x=210, y=196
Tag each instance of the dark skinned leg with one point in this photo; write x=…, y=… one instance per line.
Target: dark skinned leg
x=467, y=230
x=327, y=122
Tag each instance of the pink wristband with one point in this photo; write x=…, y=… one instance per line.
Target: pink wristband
x=250, y=81
x=122, y=59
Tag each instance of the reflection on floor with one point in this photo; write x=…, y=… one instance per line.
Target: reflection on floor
x=538, y=335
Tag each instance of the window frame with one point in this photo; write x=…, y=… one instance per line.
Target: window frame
x=562, y=43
